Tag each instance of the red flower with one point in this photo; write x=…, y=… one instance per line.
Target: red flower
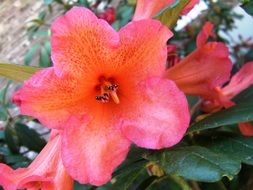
x=46, y=172
x=239, y=82
x=109, y=15
x=105, y=91
x=204, y=69
x=149, y=8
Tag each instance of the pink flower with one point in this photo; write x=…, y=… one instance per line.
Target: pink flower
x=204, y=69
x=149, y=8
x=46, y=172
x=109, y=15
x=105, y=91
x=239, y=82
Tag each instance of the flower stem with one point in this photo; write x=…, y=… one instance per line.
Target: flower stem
x=181, y=182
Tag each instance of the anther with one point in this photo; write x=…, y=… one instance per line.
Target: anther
x=108, y=90
x=104, y=98
x=113, y=87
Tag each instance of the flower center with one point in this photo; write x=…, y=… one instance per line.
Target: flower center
x=107, y=90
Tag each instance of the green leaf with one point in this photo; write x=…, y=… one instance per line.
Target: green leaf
x=29, y=137
x=169, y=15
x=248, y=7
x=30, y=54
x=12, y=159
x=2, y=135
x=244, y=96
x=127, y=178
x=11, y=139
x=237, y=147
x=3, y=114
x=124, y=14
x=17, y=72
x=163, y=183
x=238, y=113
x=45, y=60
x=196, y=163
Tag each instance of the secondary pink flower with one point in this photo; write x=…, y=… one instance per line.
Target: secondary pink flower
x=105, y=91
x=149, y=8
x=239, y=82
x=46, y=172
x=204, y=69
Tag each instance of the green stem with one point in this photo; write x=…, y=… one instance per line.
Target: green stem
x=181, y=182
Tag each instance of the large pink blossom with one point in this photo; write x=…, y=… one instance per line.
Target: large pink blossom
x=105, y=91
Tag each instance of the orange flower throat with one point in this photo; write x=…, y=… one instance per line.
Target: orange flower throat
x=107, y=90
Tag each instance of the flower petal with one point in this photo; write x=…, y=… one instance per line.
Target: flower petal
x=80, y=41
x=240, y=81
x=204, y=34
x=143, y=50
x=202, y=70
x=246, y=129
x=45, y=172
x=148, y=9
x=93, y=150
x=49, y=98
x=159, y=117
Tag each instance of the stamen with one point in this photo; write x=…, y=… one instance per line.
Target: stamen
x=113, y=87
x=108, y=90
x=115, y=97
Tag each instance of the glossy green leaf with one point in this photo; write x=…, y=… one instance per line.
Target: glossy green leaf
x=17, y=72
x=126, y=179
x=163, y=183
x=248, y=7
x=3, y=114
x=237, y=147
x=2, y=135
x=29, y=137
x=244, y=96
x=169, y=15
x=30, y=54
x=12, y=159
x=238, y=113
x=196, y=163
x=45, y=60
x=11, y=139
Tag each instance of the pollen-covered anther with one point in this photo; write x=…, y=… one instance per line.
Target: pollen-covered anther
x=108, y=90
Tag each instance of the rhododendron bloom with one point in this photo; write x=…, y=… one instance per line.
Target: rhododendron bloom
x=239, y=82
x=150, y=8
x=46, y=172
x=105, y=91
x=204, y=69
